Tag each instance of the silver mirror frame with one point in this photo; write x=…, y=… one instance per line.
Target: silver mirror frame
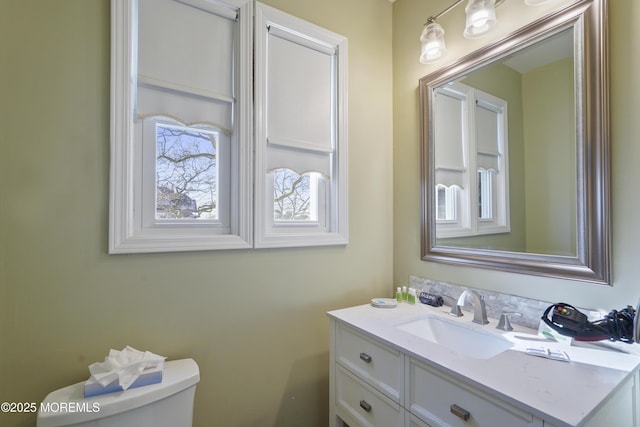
x=589, y=20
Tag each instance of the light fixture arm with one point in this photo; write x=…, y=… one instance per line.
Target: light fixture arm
x=433, y=18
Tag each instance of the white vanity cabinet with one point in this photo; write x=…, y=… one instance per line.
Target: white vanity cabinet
x=368, y=378
x=378, y=364
x=374, y=384
x=382, y=377
x=363, y=405
x=443, y=401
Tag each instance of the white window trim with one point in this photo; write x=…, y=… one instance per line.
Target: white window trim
x=126, y=232
x=335, y=231
x=501, y=220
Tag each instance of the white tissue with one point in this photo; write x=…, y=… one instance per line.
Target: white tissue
x=125, y=366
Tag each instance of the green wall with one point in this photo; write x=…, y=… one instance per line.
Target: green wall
x=254, y=320
x=550, y=169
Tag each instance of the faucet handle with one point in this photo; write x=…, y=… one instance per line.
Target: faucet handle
x=504, y=323
x=455, y=310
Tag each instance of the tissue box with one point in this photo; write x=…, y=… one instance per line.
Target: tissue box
x=147, y=377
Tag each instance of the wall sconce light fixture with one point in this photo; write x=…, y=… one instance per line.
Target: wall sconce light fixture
x=481, y=18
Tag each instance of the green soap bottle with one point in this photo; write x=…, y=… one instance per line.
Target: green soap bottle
x=399, y=294
x=412, y=296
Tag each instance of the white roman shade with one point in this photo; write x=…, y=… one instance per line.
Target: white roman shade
x=450, y=133
x=300, y=94
x=488, y=120
x=186, y=61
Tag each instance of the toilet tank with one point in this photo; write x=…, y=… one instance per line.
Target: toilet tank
x=166, y=404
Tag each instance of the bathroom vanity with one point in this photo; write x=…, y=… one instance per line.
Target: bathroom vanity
x=416, y=366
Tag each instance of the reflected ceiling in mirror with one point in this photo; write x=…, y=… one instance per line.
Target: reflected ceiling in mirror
x=515, y=151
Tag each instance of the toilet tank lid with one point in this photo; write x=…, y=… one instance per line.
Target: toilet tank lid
x=177, y=376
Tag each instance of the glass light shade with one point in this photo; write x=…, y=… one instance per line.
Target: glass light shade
x=432, y=40
x=481, y=17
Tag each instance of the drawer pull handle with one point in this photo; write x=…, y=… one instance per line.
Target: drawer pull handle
x=365, y=357
x=364, y=405
x=460, y=412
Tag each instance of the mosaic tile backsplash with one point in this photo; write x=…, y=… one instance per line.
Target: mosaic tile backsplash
x=496, y=302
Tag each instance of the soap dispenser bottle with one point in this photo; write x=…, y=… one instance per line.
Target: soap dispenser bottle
x=411, y=297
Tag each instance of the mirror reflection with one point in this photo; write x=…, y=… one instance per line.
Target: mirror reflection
x=505, y=153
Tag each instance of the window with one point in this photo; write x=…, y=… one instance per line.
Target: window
x=182, y=129
x=301, y=138
x=187, y=178
x=486, y=198
x=181, y=133
x=447, y=203
x=471, y=166
x=296, y=197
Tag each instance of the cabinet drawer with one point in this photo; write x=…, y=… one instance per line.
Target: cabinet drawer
x=413, y=421
x=379, y=365
x=359, y=404
x=437, y=400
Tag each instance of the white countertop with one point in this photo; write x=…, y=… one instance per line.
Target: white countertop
x=563, y=393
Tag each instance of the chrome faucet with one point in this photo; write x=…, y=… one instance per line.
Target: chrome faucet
x=477, y=302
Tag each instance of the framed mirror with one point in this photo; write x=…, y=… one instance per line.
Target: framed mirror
x=515, y=151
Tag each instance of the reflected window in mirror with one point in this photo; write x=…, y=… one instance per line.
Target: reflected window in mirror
x=447, y=203
x=471, y=170
x=486, y=194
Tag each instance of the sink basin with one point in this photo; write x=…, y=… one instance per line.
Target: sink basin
x=466, y=340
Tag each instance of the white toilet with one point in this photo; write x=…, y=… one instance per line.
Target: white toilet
x=166, y=404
